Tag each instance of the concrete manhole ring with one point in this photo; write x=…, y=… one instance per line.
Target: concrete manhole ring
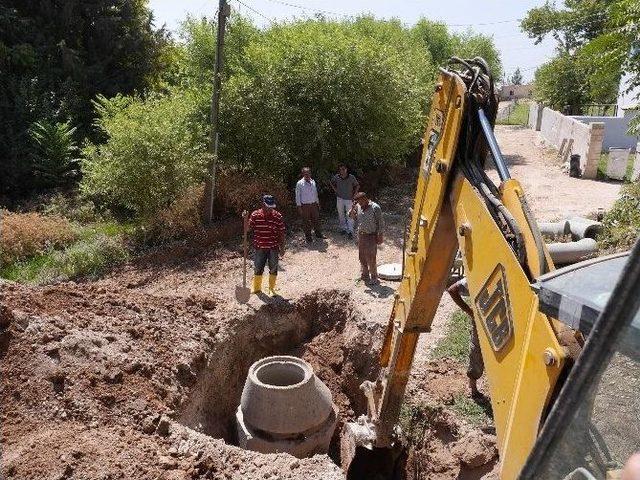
x=390, y=271
x=285, y=407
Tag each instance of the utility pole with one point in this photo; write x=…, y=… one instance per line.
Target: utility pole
x=223, y=12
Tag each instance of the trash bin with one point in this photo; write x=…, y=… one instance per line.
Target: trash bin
x=617, y=164
x=574, y=166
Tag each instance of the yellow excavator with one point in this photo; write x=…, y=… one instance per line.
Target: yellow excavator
x=561, y=347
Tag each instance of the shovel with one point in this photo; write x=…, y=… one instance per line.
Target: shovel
x=242, y=292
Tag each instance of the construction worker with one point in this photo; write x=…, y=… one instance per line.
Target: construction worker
x=476, y=364
x=368, y=220
x=308, y=205
x=268, y=241
x=345, y=187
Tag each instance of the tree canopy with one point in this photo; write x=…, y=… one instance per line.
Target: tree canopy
x=594, y=37
x=309, y=92
x=55, y=57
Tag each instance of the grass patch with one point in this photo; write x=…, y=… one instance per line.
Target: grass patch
x=415, y=420
x=455, y=343
x=98, y=248
x=519, y=115
x=472, y=411
x=86, y=258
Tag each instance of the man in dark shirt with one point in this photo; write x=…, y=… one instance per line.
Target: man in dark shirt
x=370, y=225
x=268, y=241
x=345, y=187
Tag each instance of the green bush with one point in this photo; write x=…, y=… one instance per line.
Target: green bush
x=320, y=93
x=90, y=257
x=622, y=222
x=156, y=149
x=74, y=207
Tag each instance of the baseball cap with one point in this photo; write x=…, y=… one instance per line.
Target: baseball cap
x=269, y=201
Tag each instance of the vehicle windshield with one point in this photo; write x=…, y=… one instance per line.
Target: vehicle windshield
x=604, y=430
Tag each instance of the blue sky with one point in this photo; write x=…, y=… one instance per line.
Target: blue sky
x=493, y=17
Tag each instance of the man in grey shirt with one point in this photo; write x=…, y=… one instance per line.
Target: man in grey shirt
x=345, y=187
x=368, y=219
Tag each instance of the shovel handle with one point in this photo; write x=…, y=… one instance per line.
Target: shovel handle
x=244, y=245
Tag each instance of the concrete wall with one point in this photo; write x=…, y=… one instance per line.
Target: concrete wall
x=514, y=92
x=587, y=138
x=535, y=115
x=635, y=174
x=615, y=130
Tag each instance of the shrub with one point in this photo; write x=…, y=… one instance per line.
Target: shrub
x=244, y=192
x=319, y=92
x=622, y=222
x=181, y=219
x=155, y=150
x=90, y=257
x=23, y=235
x=74, y=208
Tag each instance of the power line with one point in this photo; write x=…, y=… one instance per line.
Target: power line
x=248, y=7
x=301, y=7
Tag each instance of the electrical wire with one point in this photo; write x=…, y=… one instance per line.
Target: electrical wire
x=301, y=7
x=248, y=7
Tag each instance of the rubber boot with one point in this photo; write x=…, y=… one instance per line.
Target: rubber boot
x=257, y=284
x=272, y=285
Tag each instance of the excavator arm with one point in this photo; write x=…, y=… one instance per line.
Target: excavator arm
x=458, y=207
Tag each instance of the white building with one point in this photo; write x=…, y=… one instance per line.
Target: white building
x=515, y=92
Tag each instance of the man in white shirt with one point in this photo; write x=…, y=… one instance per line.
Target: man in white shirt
x=308, y=205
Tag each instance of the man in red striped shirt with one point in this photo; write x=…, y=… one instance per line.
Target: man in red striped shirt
x=268, y=240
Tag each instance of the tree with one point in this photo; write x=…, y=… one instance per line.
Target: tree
x=443, y=45
x=559, y=84
x=597, y=34
x=471, y=44
x=516, y=78
x=55, y=57
x=56, y=157
x=321, y=92
x=580, y=22
x=436, y=38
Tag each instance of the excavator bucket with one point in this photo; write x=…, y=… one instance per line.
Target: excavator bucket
x=360, y=460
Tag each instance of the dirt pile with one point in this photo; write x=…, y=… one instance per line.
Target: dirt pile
x=442, y=443
x=114, y=383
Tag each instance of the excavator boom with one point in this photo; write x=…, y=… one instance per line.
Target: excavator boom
x=458, y=207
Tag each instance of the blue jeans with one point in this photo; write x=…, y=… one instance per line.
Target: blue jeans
x=261, y=257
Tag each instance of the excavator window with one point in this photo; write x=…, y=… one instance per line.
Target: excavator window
x=594, y=426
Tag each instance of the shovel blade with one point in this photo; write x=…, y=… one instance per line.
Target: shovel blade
x=243, y=294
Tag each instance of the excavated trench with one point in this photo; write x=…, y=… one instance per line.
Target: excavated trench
x=323, y=328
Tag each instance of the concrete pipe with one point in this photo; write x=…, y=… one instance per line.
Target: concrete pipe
x=572, y=252
x=584, y=228
x=285, y=407
x=555, y=229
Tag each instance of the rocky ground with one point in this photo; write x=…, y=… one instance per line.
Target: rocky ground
x=137, y=375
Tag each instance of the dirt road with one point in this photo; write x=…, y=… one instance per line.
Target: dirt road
x=137, y=375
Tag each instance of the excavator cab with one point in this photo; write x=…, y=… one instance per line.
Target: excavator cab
x=594, y=425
